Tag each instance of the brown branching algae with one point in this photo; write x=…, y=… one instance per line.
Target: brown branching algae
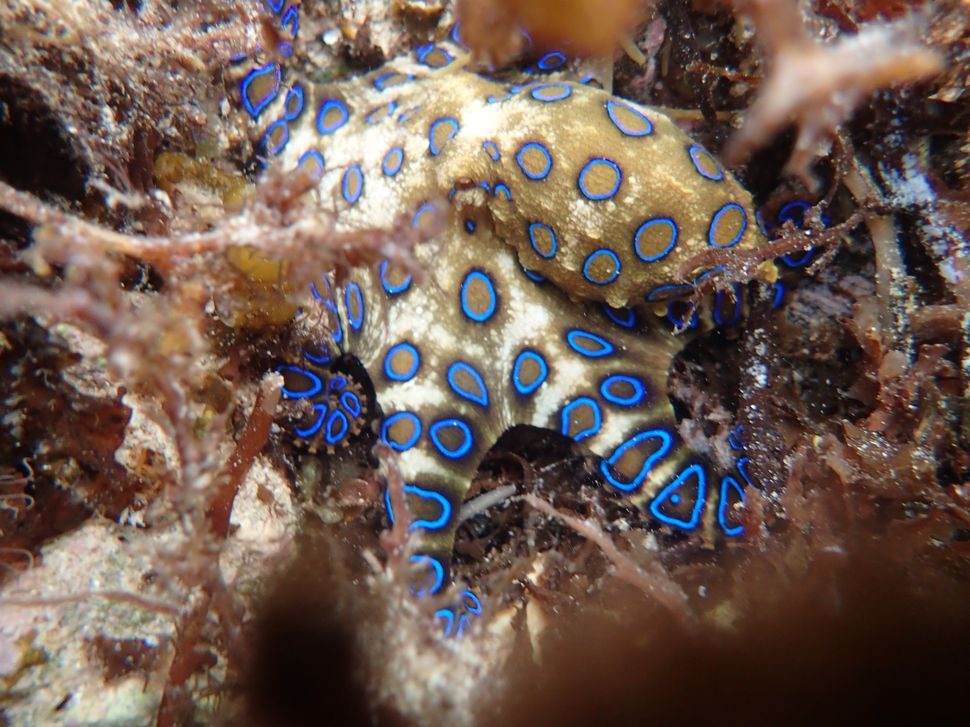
x=355, y=375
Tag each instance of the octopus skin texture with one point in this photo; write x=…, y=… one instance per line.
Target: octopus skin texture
x=564, y=209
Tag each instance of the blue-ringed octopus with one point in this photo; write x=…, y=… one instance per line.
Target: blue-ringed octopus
x=567, y=213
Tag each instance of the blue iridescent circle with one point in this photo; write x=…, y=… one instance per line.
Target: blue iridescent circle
x=597, y=255
x=777, y=294
x=292, y=18
x=352, y=184
x=491, y=149
x=533, y=227
x=313, y=154
x=635, y=397
x=589, y=166
x=311, y=429
x=501, y=188
x=254, y=109
x=588, y=344
x=337, y=426
x=668, y=291
x=422, y=52
x=272, y=147
x=448, y=617
x=393, y=289
x=536, y=176
x=316, y=385
x=697, y=155
x=439, y=574
x=471, y=602
x=611, y=107
x=469, y=226
x=425, y=208
x=551, y=92
x=716, y=219
x=738, y=301
x=480, y=396
x=623, y=317
x=533, y=276
x=415, y=362
x=293, y=106
x=552, y=60
x=380, y=83
x=672, y=494
x=354, y=302
x=394, y=418
x=344, y=114
x=664, y=222
x=540, y=361
x=468, y=440
x=742, y=467
x=351, y=402
x=453, y=126
x=478, y=316
x=728, y=483
x=606, y=467
x=436, y=497
x=393, y=161
x=567, y=411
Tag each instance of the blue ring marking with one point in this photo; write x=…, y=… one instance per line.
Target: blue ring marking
x=423, y=51
x=492, y=302
x=462, y=623
x=719, y=297
x=669, y=493
x=353, y=291
x=448, y=617
x=686, y=321
x=416, y=357
x=552, y=60
x=605, y=466
x=336, y=383
x=423, y=209
x=439, y=572
x=728, y=483
x=316, y=385
x=295, y=93
x=391, y=420
x=406, y=115
x=668, y=291
x=435, y=149
x=638, y=395
x=589, y=166
x=332, y=103
x=255, y=109
x=353, y=176
x=717, y=218
x=503, y=188
x=529, y=355
x=462, y=449
x=533, y=276
x=455, y=35
x=588, y=344
x=591, y=261
x=436, y=524
x=311, y=429
x=795, y=211
x=560, y=91
x=393, y=161
x=393, y=289
x=268, y=144
x=380, y=83
x=742, y=466
x=312, y=154
x=494, y=99
x=623, y=317
x=759, y=220
x=567, y=411
x=708, y=273
x=534, y=145
x=671, y=225
x=611, y=107
x=469, y=226
x=275, y=5
x=322, y=359
x=696, y=151
x=351, y=402
x=491, y=148
x=286, y=50
x=325, y=299
x=533, y=226
x=735, y=438
x=292, y=18
x=343, y=425
x=480, y=396
x=778, y=294
x=485, y=186
x=475, y=607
